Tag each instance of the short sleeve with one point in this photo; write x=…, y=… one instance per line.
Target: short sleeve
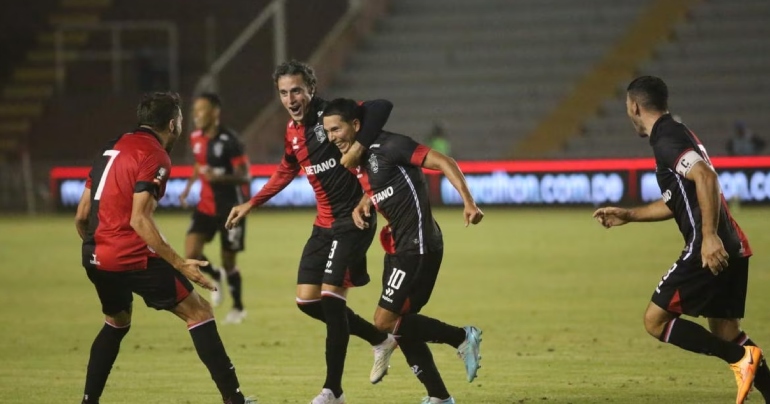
x=153, y=174
x=236, y=152
x=89, y=179
x=403, y=150
x=674, y=151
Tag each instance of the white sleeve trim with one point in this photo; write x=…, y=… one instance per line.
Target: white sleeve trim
x=687, y=161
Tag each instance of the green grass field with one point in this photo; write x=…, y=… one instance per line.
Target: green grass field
x=559, y=298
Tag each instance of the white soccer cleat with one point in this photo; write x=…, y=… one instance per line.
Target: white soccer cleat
x=382, y=354
x=235, y=316
x=434, y=400
x=327, y=397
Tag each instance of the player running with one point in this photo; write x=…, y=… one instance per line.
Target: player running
x=124, y=252
x=391, y=175
x=334, y=258
x=711, y=275
x=223, y=170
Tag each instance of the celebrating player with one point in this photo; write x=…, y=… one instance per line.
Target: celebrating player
x=710, y=277
x=334, y=258
x=223, y=170
x=391, y=175
x=124, y=252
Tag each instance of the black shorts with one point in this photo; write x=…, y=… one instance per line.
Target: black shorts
x=688, y=288
x=408, y=281
x=208, y=226
x=160, y=285
x=336, y=257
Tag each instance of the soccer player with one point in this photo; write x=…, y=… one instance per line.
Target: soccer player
x=710, y=277
x=392, y=177
x=223, y=170
x=124, y=251
x=334, y=258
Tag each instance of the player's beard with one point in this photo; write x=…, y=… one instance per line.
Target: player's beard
x=639, y=128
x=172, y=138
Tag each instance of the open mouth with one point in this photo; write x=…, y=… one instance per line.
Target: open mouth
x=295, y=109
x=343, y=146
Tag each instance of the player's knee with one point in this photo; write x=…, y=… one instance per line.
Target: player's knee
x=384, y=324
x=228, y=262
x=200, y=311
x=119, y=320
x=653, y=324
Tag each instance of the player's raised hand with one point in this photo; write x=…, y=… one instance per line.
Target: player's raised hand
x=713, y=254
x=472, y=214
x=612, y=216
x=360, y=213
x=191, y=270
x=353, y=155
x=236, y=214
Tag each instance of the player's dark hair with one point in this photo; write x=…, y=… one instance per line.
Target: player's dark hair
x=650, y=92
x=212, y=98
x=293, y=67
x=157, y=109
x=347, y=109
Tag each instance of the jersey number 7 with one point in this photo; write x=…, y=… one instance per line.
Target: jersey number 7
x=111, y=154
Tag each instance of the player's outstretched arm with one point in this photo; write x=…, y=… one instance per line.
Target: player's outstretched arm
x=281, y=178
x=713, y=253
x=612, y=216
x=448, y=166
x=81, y=216
x=362, y=211
x=144, y=204
x=375, y=116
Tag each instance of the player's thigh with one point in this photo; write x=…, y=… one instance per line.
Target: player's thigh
x=685, y=288
x=201, y=231
x=315, y=254
x=114, y=294
x=160, y=285
x=232, y=240
x=346, y=264
x=407, y=281
x=427, y=274
x=729, y=297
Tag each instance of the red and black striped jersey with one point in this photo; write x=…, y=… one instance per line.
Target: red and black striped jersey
x=221, y=154
x=306, y=147
x=132, y=163
x=676, y=150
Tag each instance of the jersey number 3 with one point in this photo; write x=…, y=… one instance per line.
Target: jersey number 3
x=111, y=154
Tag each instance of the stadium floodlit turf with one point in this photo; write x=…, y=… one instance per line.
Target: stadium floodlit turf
x=559, y=298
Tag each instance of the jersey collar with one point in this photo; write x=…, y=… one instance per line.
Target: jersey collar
x=663, y=118
x=149, y=132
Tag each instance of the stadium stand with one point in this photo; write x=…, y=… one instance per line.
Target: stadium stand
x=488, y=69
x=28, y=73
x=88, y=110
x=716, y=67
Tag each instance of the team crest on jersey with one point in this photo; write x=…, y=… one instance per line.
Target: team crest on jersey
x=160, y=175
x=373, y=163
x=218, y=146
x=320, y=133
